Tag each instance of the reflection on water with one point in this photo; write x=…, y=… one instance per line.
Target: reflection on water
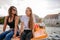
x=51, y=30
x=53, y=33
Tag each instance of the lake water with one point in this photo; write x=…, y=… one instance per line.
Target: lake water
x=53, y=30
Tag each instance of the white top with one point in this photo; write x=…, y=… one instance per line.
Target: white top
x=25, y=19
x=42, y=24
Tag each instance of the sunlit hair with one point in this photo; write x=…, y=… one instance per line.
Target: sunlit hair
x=30, y=23
x=10, y=11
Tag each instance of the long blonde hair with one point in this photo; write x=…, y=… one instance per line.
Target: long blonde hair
x=30, y=23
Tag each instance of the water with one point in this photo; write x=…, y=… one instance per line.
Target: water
x=1, y=28
x=51, y=30
x=53, y=33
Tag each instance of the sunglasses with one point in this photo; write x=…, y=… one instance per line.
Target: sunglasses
x=14, y=9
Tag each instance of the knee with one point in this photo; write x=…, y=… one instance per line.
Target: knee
x=29, y=36
x=7, y=36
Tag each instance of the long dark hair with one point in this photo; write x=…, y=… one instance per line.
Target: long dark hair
x=30, y=23
x=10, y=11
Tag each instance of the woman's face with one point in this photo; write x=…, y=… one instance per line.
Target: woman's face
x=14, y=11
x=28, y=12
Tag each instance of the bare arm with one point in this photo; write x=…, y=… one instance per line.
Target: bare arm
x=5, y=24
x=21, y=29
x=16, y=25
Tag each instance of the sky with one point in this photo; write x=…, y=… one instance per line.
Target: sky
x=39, y=7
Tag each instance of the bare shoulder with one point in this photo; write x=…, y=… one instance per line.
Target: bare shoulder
x=6, y=17
x=17, y=17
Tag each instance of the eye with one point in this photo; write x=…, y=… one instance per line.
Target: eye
x=14, y=9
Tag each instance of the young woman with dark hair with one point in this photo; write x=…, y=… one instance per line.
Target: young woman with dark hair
x=10, y=20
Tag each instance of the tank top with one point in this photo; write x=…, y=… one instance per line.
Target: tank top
x=11, y=24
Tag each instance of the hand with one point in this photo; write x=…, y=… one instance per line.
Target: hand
x=14, y=36
x=22, y=23
x=33, y=33
x=19, y=36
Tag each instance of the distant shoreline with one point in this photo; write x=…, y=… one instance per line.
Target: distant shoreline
x=46, y=26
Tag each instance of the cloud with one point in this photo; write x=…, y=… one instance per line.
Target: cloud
x=53, y=4
x=39, y=7
x=4, y=2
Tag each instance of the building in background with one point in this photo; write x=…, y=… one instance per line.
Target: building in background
x=52, y=19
